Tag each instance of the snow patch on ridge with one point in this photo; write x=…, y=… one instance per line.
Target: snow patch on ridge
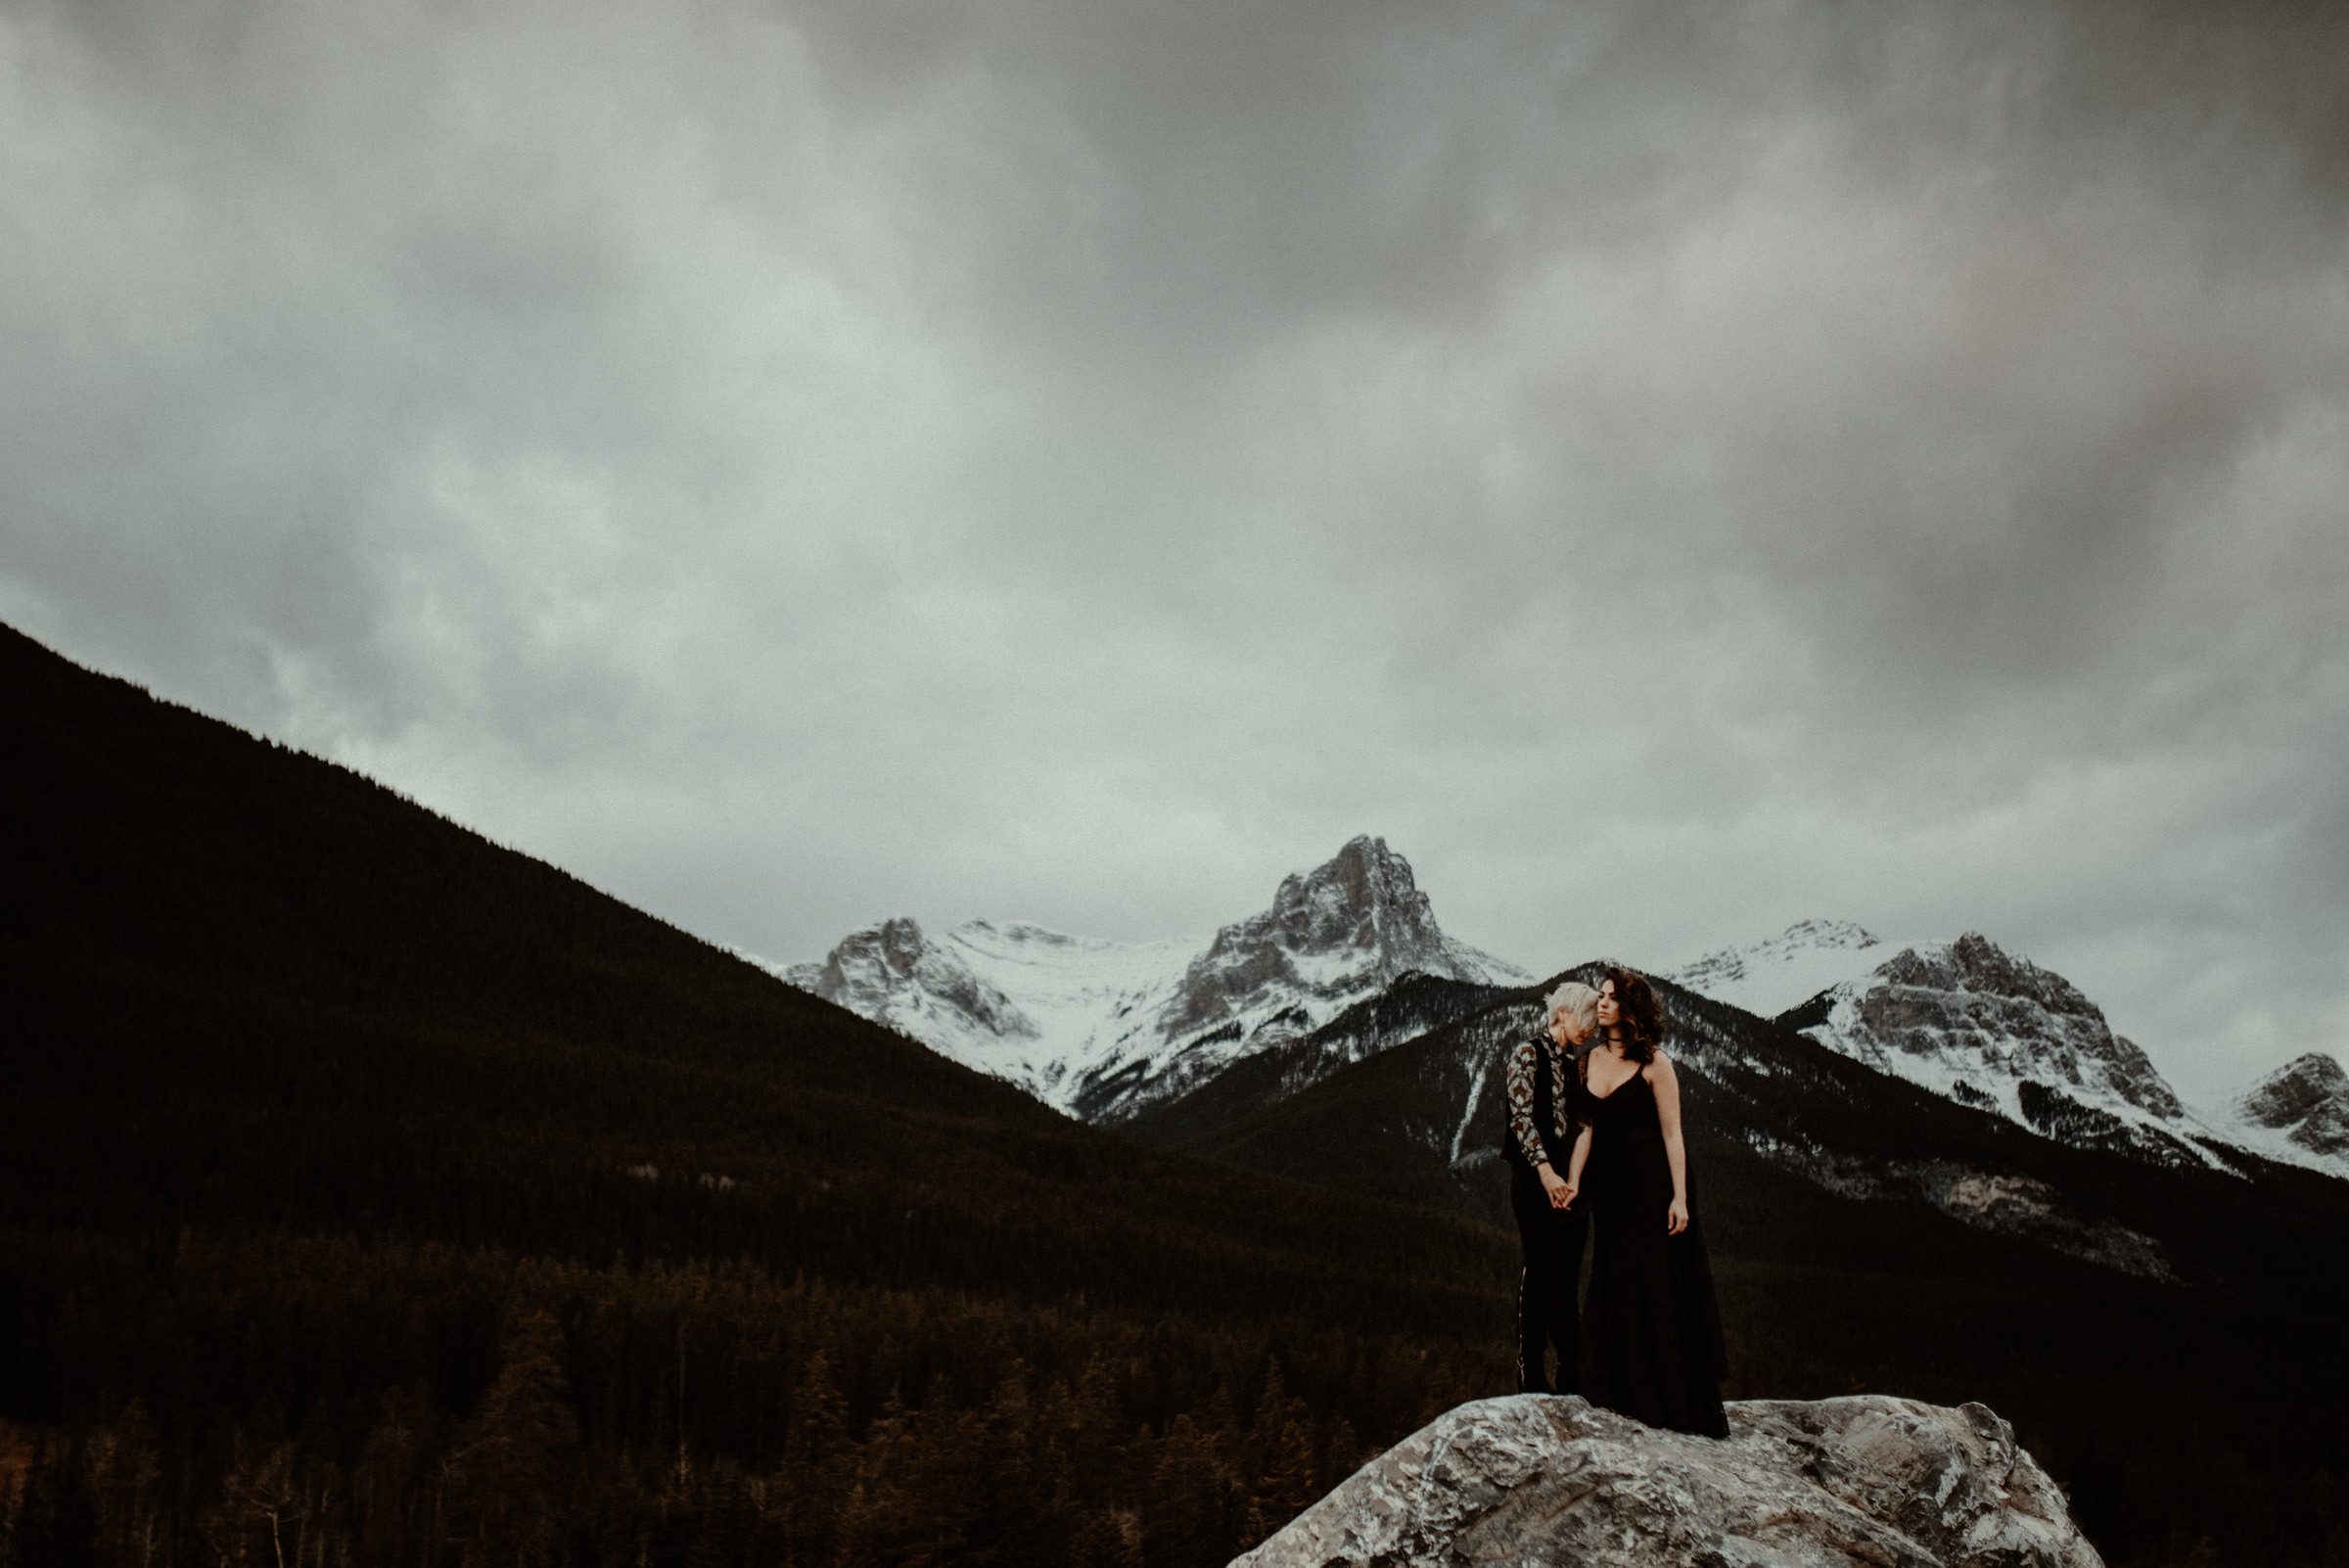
x=1768, y=977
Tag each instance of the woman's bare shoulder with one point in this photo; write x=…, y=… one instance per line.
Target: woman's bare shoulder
x=1661, y=1066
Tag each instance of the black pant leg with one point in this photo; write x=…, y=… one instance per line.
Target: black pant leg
x=1565, y=1319
x=1553, y=1257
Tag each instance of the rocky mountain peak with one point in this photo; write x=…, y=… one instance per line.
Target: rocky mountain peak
x=1361, y=896
x=1993, y=1029
x=1351, y=925
x=2307, y=1100
x=895, y=974
x=1974, y=963
x=2298, y=1087
x=1104, y=1029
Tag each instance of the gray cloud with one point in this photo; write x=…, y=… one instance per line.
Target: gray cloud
x=1672, y=472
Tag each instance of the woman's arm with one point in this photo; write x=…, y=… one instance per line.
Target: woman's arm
x=1574, y=1165
x=1667, y=1087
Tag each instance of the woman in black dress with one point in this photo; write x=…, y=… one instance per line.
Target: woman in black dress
x=1652, y=1334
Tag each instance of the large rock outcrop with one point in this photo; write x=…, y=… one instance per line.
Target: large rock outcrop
x=1534, y=1479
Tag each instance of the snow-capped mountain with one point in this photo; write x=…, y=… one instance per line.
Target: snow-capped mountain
x=1994, y=1031
x=956, y=993
x=1986, y=1028
x=1768, y=977
x=2298, y=1113
x=1106, y=1028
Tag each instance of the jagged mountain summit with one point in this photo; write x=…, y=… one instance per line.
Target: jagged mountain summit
x=1969, y=1021
x=2300, y=1113
x=1986, y=1028
x=1105, y=1030
x=1991, y=1030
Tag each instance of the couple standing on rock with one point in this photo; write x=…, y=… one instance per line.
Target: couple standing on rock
x=1595, y=1145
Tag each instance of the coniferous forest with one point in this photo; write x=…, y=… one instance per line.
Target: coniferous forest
x=374, y=1196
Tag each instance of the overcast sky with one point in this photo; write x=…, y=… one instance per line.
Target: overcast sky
x=1670, y=470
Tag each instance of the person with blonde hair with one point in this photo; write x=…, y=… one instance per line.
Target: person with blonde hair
x=1538, y=1144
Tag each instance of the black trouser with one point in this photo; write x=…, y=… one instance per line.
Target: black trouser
x=1553, y=1264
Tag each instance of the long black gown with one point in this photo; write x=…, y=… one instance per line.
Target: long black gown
x=1651, y=1332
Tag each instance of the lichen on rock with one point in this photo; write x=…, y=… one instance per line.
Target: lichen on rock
x=1535, y=1479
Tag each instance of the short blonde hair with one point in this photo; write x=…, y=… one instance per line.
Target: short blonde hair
x=1576, y=1000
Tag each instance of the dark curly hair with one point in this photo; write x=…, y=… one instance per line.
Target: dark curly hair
x=1642, y=1019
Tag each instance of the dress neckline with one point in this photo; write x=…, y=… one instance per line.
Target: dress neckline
x=1638, y=1074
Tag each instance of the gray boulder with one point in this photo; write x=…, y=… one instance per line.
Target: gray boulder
x=1535, y=1479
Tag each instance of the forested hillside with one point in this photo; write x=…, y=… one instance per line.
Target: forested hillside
x=372, y=1193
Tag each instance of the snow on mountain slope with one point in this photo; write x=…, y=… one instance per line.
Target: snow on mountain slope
x=1994, y=1031
x=1105, y=1029
x=1768, y=977
x=1988, y=1029
x=2298, y=1114
x=1015, y=1000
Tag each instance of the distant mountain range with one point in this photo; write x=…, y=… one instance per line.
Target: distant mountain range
x=1105, y=1030
x=1349, y=961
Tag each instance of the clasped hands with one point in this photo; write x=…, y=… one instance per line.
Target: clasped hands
x=1563, y=1192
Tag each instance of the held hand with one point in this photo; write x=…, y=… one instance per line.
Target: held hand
x=1675, y=1217
x=1574, y=1190
x=1560, y=1194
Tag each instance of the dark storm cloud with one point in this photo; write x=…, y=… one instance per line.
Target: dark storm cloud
x=1671, y=471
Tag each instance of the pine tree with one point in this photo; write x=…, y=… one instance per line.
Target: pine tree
x=512, y=1461
x=252, y=1524
x=383, y=1486
x=811, y=1487
x=57, y=1521
x=1186, y=1520
x=123, y=1469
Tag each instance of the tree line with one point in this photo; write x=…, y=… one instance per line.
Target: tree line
x=320, y=1403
